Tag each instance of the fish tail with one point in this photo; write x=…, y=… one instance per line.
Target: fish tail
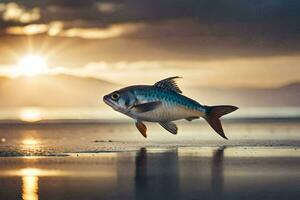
x=213, y=115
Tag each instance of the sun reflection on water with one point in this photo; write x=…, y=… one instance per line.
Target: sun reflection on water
x=31, y=146
x=30, y=181
x=30, y=142
x=30, y=186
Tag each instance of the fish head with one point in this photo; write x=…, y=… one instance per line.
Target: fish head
x=120, y=100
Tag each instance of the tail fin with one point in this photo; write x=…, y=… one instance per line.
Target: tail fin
x=213, y=115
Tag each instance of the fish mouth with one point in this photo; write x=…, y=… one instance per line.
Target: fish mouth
x=110, y=103
x=107, y=101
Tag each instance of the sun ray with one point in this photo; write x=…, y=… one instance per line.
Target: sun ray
x=31, y=65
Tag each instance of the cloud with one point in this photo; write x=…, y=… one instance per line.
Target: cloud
x=16, y=13
x=167, y=29
x=107, y=7
x=52, y=29
x=31, y=29
x=268, y=72
x=257, y=72
x=275, y=12
x=101, y=33
x=57, y=29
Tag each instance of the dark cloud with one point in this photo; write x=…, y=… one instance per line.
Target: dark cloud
x=206, y=11
x=191, y=29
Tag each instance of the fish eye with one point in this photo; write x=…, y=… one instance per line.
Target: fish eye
x=115, y=96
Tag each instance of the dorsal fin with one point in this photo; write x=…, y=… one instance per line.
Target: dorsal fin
x=169, y=83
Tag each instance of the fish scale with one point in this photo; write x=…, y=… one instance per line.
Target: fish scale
x=174, y=106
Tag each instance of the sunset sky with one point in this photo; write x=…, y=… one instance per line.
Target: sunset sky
x=210, y=43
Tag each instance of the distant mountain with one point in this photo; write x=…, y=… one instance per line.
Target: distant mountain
x=73, y=91
x=53, y=90
x=288, y=95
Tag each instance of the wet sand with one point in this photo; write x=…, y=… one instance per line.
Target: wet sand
x=156, y=173
x=67, y=162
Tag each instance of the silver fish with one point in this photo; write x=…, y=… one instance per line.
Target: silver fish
x=164, y=103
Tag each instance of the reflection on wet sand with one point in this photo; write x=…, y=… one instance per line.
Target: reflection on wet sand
x=141, y=168
x=158, y=177
x=154, y=173
x=30, y=187
x=30, y=181
x=217, y=174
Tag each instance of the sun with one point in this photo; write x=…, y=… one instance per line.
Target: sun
x=30, y=115
x=31, y=65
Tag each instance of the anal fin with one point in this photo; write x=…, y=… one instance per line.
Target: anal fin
x=169, y=126
x=142, y=128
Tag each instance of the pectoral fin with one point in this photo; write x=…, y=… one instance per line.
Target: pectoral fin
x=191, y=118
x=145, y=107
x=169, y=126
x=141, y=127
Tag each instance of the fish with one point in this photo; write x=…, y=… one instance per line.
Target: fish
x=164, y=103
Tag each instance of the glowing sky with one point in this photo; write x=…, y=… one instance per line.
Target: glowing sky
x=209, y=43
